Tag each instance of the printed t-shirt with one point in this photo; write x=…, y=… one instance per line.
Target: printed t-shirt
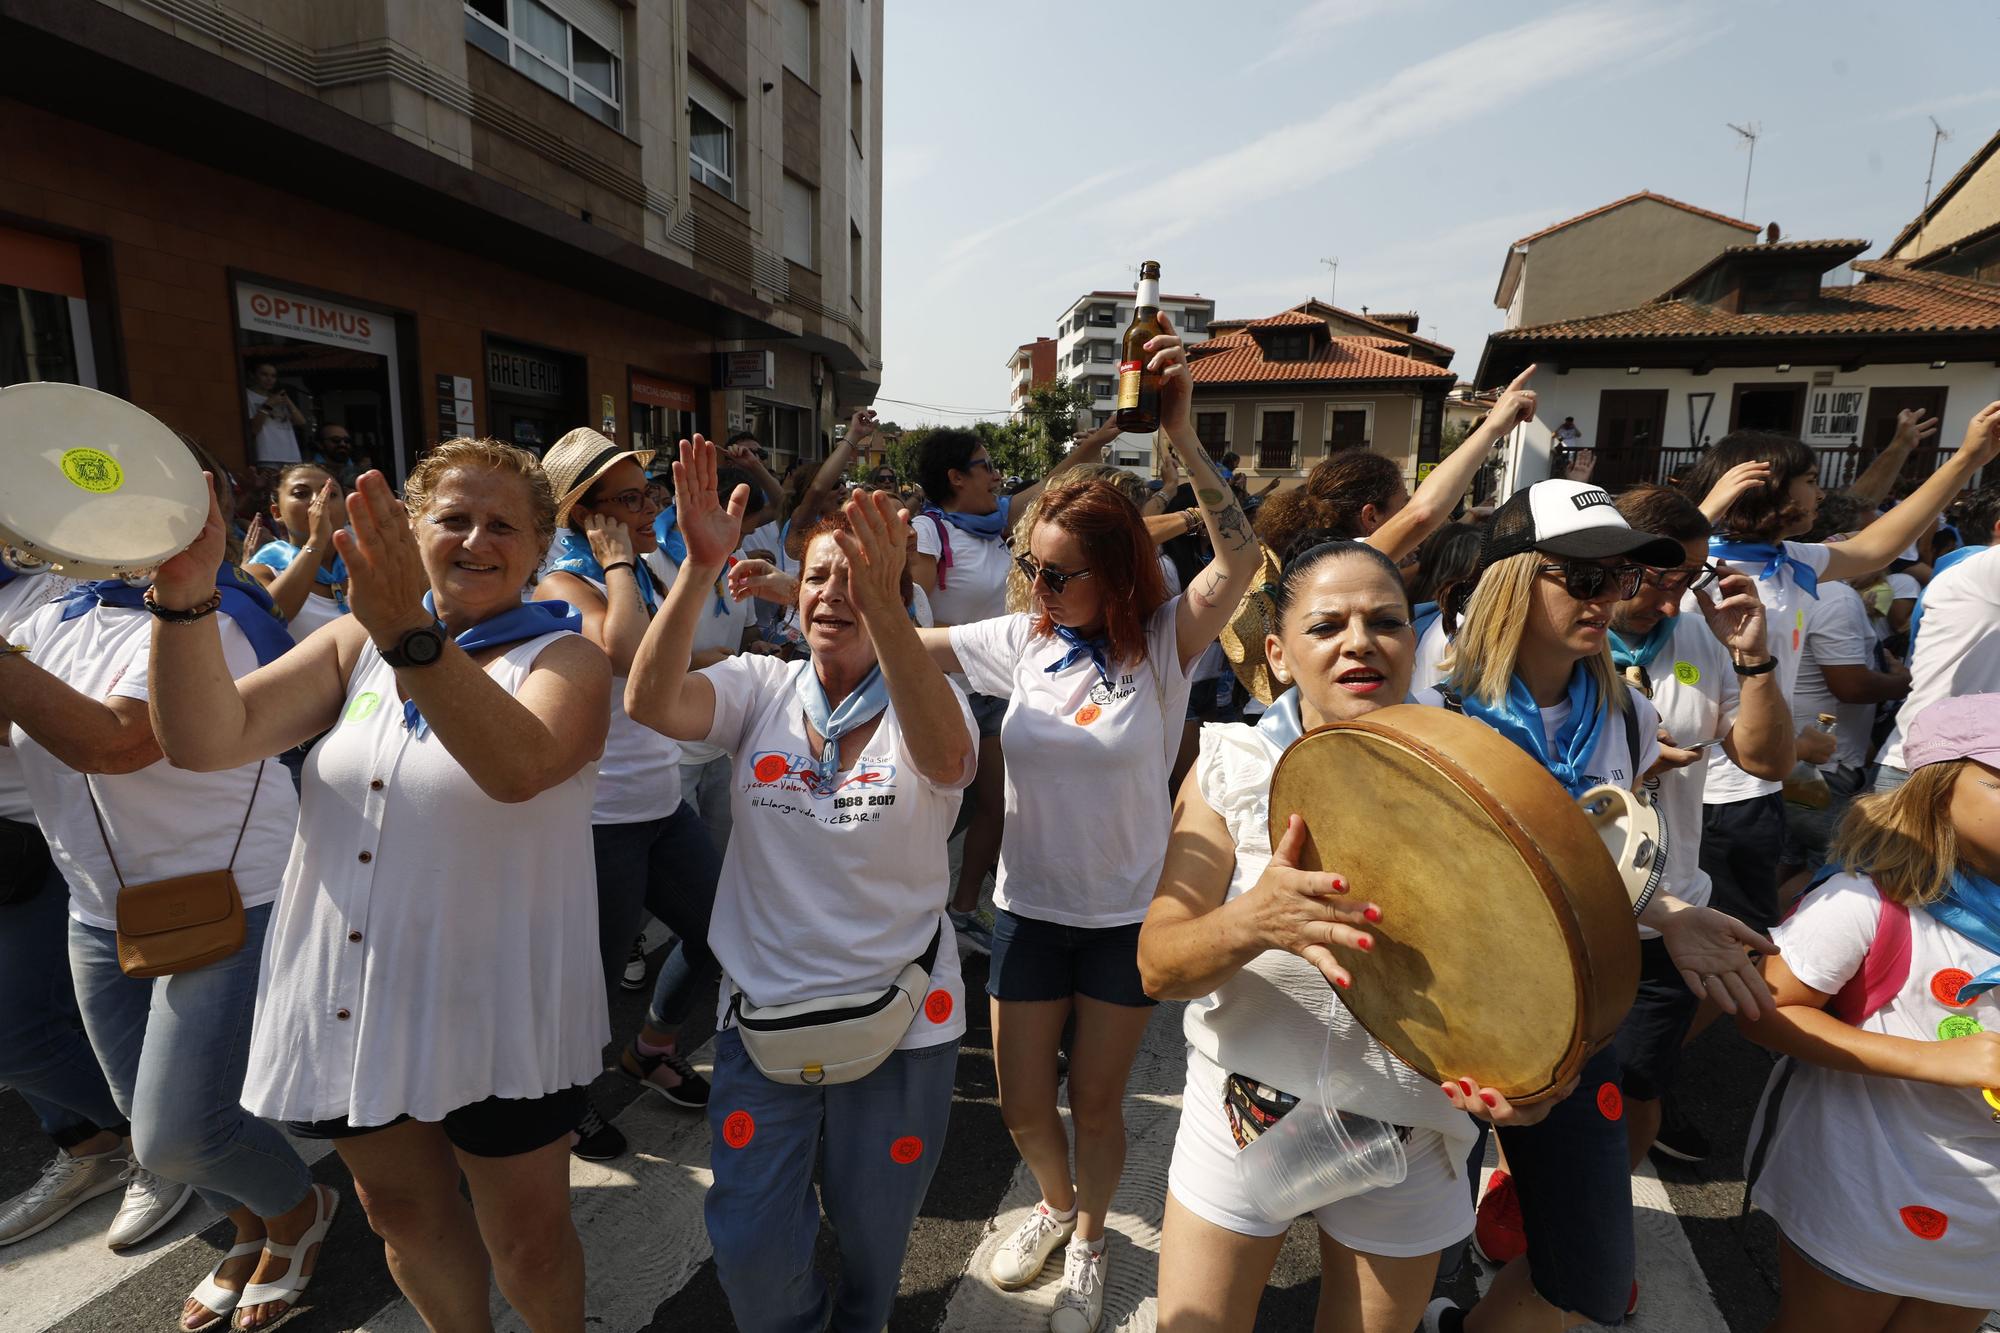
x=1837, y=634
x=1959, y=650
x=1785, y=604
x=1894, y=1184
x=1087, y=803
x=975, y=587
x=20, y=598
x=829, y=892
x=165, y=821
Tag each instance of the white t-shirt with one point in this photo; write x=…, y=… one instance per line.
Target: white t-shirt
x=277, y=439
x=1697, y=695
x=770, y=615
x=1894, y=1184
x=829, y=893
x=164, y=821
x=639, y=773
x=975, y=587
x=1837, y=634
x=20, y=598
x=1171, y=573
x=1611, y=762
x=1785, y=606
x=1429, y=668
x=1959, y=649
x=719, y=627
x=1087, y=764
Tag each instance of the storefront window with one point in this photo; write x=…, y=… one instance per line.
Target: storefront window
x=664, y=412
x=534, y=395
x=44, y=322
x=317, y=372
x=780, y=428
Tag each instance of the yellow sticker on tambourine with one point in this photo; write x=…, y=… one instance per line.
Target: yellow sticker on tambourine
x=1687, y=673
x=92, y=470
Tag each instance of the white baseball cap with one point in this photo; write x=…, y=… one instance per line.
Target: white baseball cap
x=1572, y=518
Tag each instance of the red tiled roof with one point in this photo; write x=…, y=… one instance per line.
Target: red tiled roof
x=1286, y=318
x=1951, y=187
x=1388, y=331
x=1899, y=300
x=1831, y=252
x=1235, y=358
x=1634, y=198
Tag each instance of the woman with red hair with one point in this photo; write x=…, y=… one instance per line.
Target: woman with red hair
x=1096, y=683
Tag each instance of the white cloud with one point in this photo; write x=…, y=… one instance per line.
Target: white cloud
x=1455, y=87
x=1941, y=104
x=1315, y=21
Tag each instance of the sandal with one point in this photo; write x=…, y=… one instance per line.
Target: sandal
x=292, y=1285
x=219, y=1300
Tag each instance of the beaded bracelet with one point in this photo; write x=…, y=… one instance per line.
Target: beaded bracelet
x=187, y=617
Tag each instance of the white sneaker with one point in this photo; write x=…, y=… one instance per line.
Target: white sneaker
x=64, y=1184
x=1080, y=1299
x=150, y=1203
x=1021, y=1259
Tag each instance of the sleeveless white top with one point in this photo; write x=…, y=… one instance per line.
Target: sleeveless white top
x=473, y=974
x=639, y=777
x=1269, y=1021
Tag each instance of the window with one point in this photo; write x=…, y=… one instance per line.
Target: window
x=857, y=272
x=801, y=220
x=1193, y=321
x=1277, y=438
x=1348, y=426
x=1287, y=346
x=1101, y=352
x=1212, y=429
x=574, y=54
x=797, y=18
x=857, y=106
x=711, y=136
x=1833, y=416
x=1103, y=317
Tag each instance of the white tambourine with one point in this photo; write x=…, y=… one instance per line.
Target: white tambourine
x=1632, y=831
x=95, y=487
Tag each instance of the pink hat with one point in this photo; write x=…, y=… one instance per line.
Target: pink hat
x=1967, y=727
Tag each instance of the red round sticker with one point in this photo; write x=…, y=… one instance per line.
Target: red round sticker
x=937, y=1006
x=1924, y=1223
x=1088, y=714
x=771, y=767
x=738, y=1129
x=1610, y=1101
x=1945, y=985
x=906, y=1150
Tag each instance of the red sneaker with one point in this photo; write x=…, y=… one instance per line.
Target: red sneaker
x=1497, y=1233
x=1632, y=1301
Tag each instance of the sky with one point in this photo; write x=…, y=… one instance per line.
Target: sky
x=1040, y=149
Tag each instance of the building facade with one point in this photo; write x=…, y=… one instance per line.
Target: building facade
x=500, y=217
x=1088, y=337
x=1030, y=367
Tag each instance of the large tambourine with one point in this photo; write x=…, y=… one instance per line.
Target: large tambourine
x=1507, y=951
x=93, y=487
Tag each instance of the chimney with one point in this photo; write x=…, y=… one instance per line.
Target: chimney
x=1771, y=234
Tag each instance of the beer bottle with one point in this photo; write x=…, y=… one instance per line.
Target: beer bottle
x=1138, y=387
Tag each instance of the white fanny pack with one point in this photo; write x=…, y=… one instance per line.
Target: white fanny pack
x=837, y=1039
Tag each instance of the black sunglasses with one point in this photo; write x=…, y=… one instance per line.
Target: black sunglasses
x=1056, y=579
x=1681, y=580
x=1586, y=580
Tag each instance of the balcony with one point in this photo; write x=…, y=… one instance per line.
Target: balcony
x=1650, y=465
x=1276, y=455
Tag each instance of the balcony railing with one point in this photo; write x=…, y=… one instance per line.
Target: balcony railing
x=1839, y=465
x=1276, y=455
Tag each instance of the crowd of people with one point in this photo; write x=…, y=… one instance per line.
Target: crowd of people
x=451, y=748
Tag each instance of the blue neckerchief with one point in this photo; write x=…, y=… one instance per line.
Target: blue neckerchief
x=1519, y=719
x=277, y=556
x=991, y=526
x=243, y=601
x=1080, y=647
x=866, y=700
x=1281, y=723
x=666, y=531
x=1422, y=616
x=529, y=620
x=1626, y=653
x=1971, y=907
x=1944, y=562
x=571, y=554
x=1774, y=558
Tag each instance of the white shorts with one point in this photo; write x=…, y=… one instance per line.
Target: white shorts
x=1431, y=1209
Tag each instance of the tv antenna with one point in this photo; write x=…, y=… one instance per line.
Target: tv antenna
x=1749, y=132
x=1333, y=280
x=1938, y=135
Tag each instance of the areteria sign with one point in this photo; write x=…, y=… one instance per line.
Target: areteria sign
x=314, y=319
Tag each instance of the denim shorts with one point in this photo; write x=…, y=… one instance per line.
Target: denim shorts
x=1041, y=960
x=1649, y=1040
x=1833, y=1273
x=496, y=1127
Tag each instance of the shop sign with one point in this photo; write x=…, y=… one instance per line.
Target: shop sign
x=652, y=391
x=746, y=370
x=517, y=371
x=313, y=319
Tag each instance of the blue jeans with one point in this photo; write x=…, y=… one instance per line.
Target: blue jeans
x=174, y=1050
x=1888, y=779
x=876, y=1142
x=44, y=1054
x=667, y=867
x=705, y=786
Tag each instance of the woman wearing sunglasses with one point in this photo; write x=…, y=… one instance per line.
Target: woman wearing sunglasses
x=1095, y=684
x=1532, y=659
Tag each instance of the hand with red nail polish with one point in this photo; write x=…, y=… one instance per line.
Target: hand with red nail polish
x=1371, y=913
x=1300, y=913
x=1492, y=1106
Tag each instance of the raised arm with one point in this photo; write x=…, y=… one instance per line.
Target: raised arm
x=660, y=692
x=941, y=747
x=1088, y=448
x=289, y=587
x=614, y=620
x=1875, y=483
x=1760, y=741
x=1732, y=486
x=819, y=494
x=1890, y=535
x=1170, y=481
x=1440, y=492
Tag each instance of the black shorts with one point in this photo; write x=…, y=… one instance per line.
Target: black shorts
x=987, y=713
x=1742, y=846
x=496, y=1127
x=1041, y=960
x=1649, y=1040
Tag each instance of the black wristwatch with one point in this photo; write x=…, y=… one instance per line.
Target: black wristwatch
x=417, y=648
x=1764, y=667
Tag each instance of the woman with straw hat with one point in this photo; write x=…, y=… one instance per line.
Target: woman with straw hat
x=652, y=850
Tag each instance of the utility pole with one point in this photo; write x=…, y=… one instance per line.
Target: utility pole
x=1749, y=133
x=1938, y=135
x=1333, y=281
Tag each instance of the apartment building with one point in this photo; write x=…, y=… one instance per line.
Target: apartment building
x=1030, y=367
x=496, y=217
x=1088, y=336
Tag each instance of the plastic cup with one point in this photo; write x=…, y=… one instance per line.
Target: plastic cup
x=1316, y=1155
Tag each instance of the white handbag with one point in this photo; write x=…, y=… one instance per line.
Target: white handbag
x=837, y=1039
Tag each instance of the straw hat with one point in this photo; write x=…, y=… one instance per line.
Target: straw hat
x=1243, y=637
x=577, y=460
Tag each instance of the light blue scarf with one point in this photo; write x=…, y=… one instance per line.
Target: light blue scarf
x=1944, y=562
x=991, y=526
x=571, y=554
x=864, y=702
x=1626, y=653
x=1774, y=557
x=243, y=601
x=1080, y=647
x=1519, y=719
x=529, y=620
x=277, y=556
x=1971, y=907
x=1281, y=723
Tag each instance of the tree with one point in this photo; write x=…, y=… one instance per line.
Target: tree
x=1050, y=416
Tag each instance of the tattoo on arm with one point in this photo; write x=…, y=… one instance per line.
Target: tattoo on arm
x=1211, y=498
x=1230, y=524
x=1207, y=588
